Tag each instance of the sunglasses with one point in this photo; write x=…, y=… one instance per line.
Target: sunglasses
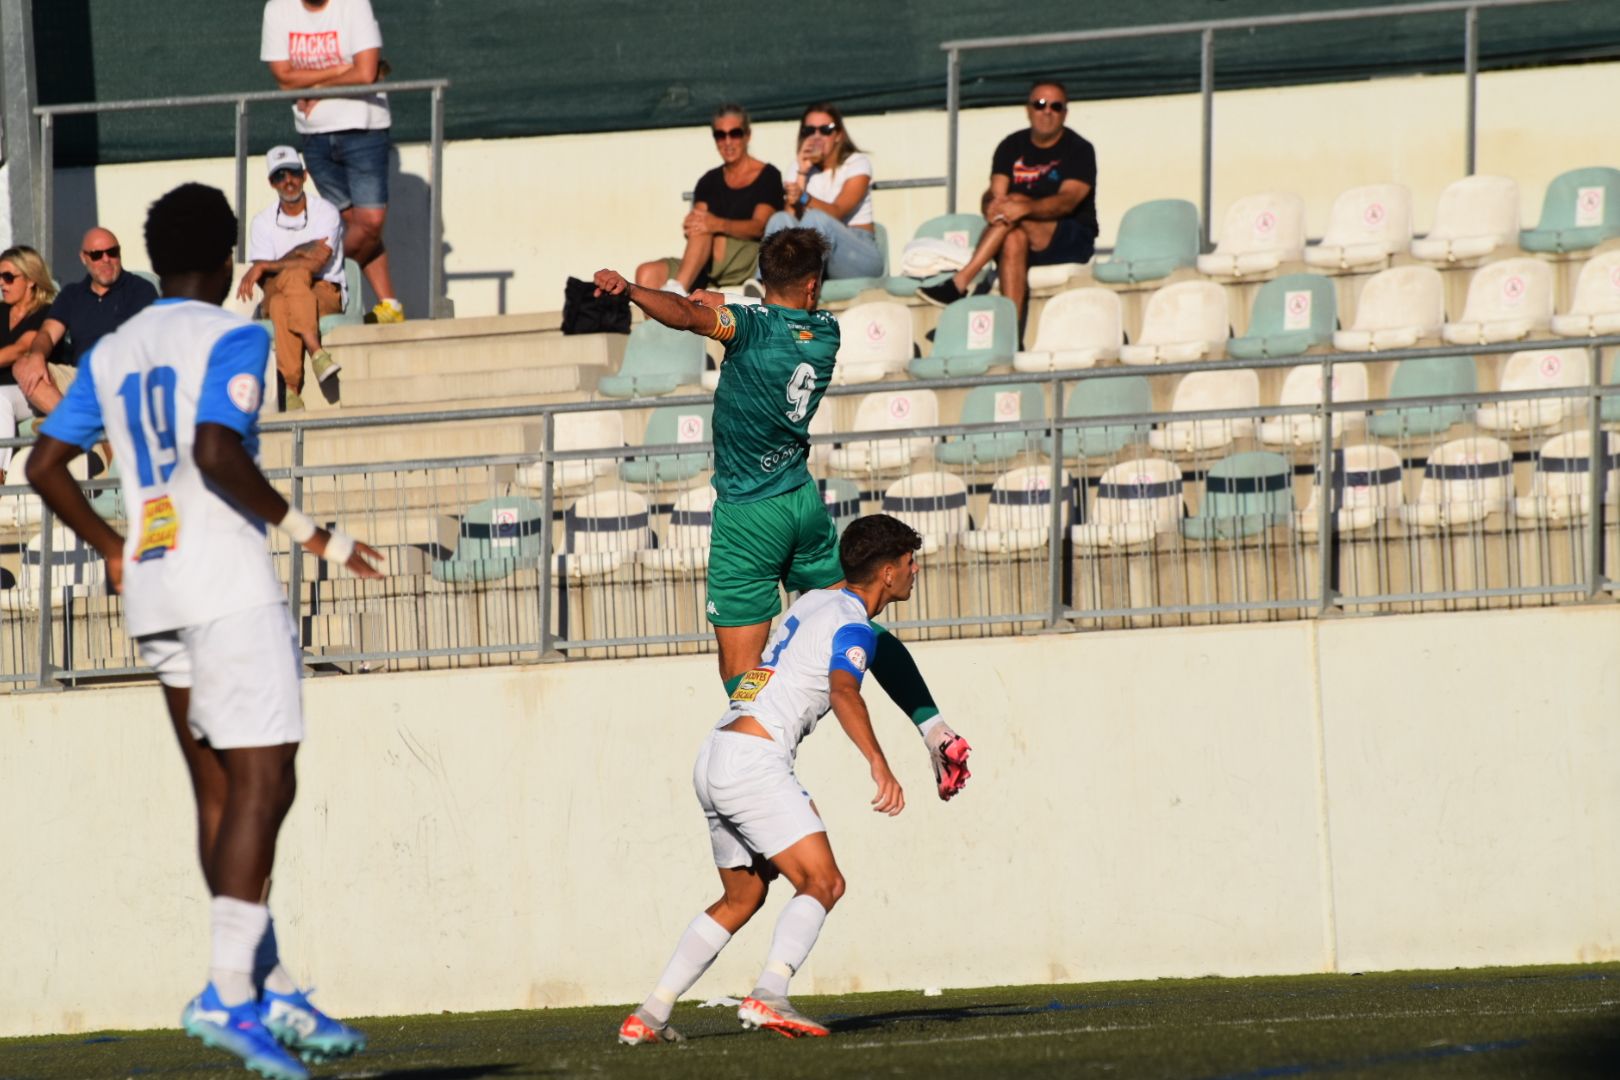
x=8, y=277
x=281, y=174
x=1048, y=105
x=807, y=130
x=733, y=133
x=114, y=252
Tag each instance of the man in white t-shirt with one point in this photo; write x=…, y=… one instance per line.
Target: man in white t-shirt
x=320, y=44
x=296, y=250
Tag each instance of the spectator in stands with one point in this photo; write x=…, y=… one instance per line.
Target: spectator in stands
x=84, y=312
x=26, y=292
x=730, y=206
x=832, y=194
x=317, y=44
x=1042, y=206
x=296, y=248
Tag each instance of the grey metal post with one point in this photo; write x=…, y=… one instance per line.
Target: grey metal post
x=46, y=667
x=436, y=298
x=47, y=183
x=953, y=118
x=1597, y=480
x=1327, y=520
x=18, y=89
x=1206, y=84
x=1471, y=77
x=295, y=573
x=548, y=472
x=1055, y=541
x=241, y=181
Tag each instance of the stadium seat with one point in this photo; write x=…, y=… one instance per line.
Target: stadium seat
x=1507, y=301
x=993, y=405
x=1367, y=226
x=1560, y=487
x=1260, y=233
x=957, y=233
x=1595, y=310
x=669, y=425
x=1434, y=376
x=657, y=360
x=108, y=503
x=1136, y=501
x=602, y=430
x=842, y=498
x=933, y=503
x=1580, y=211
x=1244, y=495
x=76, y=571
x=1303, y=386
x=1155, y=240
x=25, y=511
x=1077, y=329
x=1125, y=395
x=1366, y=490
x=1398, y=308
x=894, y=410
x=495, y=537
x=1019, y=517
x=1208, y=390
x=1538, y=369
x=874, y=341
x=974, y=334
x=1475, y=216
x=601, y=530
x=1183, y=322
x=686, y=541
x=1465, y=481
x=1291, y=314
x=836, y=289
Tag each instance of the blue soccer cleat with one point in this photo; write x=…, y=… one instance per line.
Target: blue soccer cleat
x=303, y=1028
x=238, y=1030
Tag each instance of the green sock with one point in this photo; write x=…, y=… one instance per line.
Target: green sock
x=897, y=673
x=731, y=684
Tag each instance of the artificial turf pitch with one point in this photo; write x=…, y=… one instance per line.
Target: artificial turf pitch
x=1503, y=1022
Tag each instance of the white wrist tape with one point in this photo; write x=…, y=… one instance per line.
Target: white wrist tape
x=297, y=525
x=339, y=546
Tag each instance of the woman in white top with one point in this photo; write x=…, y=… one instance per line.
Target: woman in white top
x=832, y=194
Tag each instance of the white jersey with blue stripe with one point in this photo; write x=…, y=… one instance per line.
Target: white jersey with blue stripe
x=192, y=555
x=826, y=630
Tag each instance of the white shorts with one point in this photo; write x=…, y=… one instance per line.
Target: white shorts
x=754, y=803
x=243, y=671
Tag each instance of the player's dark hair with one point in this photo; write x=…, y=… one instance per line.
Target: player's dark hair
x=871, y=542
x=190, y=230
x=788, y=257
x=1038, y=83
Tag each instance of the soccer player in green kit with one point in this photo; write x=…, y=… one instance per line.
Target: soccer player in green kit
x=770, y=525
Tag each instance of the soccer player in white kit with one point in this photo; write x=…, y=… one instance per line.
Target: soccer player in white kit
x=761, y=820
x=177, y=391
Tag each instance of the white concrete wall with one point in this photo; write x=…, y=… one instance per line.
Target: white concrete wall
x=1410, y=791
x=540, y=209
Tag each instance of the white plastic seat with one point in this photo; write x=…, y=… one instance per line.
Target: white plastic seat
x=1398, y=308
x=1208, y=390
x=578, y=431
x=1367, y=226
x=1303, y=386
x=1595, y=309
x=1078, y=328
x=76, y=570
x=1560, y=488
x=894, y=410
x=601, y=530
x=1182, y=322
x=1053, y=275
x=1260, y=233
x=1507, y=300
x=1465, y=481
x=685, y=547
x=1020, y=514
x=1136, y=501
x=1475, y=216
x=874, y=341
x=1366, y=490
x=1538, y=369
x=933, y=503
x=25, y=511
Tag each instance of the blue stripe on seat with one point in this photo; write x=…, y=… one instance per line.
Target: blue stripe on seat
x=844, y=508
x=1165, y=490
x=1479, y=470
x=71, y=557
x=1575, y=464
x=505, y=530
x=575, y=523
x=691, y=517
x=924, y=504
x=1246, y=485
x=1008, y=497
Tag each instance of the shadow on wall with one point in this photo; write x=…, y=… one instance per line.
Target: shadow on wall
x=74, y=210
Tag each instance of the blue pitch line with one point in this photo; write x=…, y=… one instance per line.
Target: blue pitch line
x=1405, y=1057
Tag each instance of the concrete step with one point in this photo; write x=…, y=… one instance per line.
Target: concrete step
x=448, y=385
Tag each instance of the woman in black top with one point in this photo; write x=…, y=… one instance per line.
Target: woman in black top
x=729, y=209
x=26, y=292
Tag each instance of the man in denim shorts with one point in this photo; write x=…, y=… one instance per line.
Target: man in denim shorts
x=317, y=44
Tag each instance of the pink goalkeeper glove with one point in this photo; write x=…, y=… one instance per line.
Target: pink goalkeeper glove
x=949, y=753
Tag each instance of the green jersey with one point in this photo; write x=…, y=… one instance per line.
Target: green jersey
x=779, y=362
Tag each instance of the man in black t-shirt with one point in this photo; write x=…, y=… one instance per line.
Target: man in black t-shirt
x=1041, y=206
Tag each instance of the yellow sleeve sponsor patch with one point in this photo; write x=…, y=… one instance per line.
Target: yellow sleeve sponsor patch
x=752, y=683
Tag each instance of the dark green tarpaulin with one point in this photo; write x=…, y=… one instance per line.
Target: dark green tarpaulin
x=542, y=67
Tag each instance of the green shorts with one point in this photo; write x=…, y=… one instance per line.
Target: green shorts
x=787, y=539
x=735, y=267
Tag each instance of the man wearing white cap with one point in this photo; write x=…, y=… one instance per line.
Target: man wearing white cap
x=296, y=248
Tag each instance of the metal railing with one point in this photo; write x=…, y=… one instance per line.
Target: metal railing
x=434, y=88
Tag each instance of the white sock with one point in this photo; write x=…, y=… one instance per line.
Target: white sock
x=268, y=974
x=698, y=947
x=796, y=931
x=673, y=286
x=238, y=928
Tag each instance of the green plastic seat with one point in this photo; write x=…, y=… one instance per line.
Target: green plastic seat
x=1580, y=211
x=849, y=288
x=842, y=497
x=1122, y=396
x=496, y=537
x=974, y=334
x=1428, y=377
x=971, y=226
x=1244, y=495
x=1292, y=299
x=1155, y=239
x=657, y=360
x=108, y=503
x=989, y=405
x=672, y=424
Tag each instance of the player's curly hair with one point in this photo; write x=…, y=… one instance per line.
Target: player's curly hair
x=190, y=230
x=872, y=541
x=788, y=257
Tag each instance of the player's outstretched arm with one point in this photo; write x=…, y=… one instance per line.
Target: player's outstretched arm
x=222, y=458
x=676, y=312
x=850, y=708
x=48, y=473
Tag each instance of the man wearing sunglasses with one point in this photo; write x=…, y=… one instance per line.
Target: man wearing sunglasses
x=1041, y=206
x=84, y=312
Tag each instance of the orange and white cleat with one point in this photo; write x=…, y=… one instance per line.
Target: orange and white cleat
x=777, y=1014
x=635, y=1031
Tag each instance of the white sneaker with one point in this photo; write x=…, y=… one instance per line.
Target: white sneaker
x=673, y=286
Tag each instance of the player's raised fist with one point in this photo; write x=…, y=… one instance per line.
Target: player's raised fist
x=610, y=283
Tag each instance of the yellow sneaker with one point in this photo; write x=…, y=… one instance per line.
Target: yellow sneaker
x=292, y=402
x=389, y=311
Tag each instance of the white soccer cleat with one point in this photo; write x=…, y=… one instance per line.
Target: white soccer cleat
x=777, y=1014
